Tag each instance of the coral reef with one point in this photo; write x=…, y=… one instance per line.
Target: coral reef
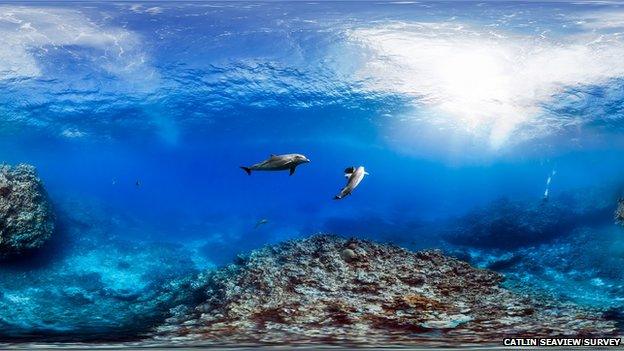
x=97, y=294
x=327, y=289
x=568, y=248
x=26, y=216
x=583, y=267
x=619, y=212
x=92, y=283
x=509, y=224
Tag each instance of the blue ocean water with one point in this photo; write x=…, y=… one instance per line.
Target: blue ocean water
x=449, y=106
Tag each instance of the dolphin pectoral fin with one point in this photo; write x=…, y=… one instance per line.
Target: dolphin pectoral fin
x=292, y=170
x=246, y=169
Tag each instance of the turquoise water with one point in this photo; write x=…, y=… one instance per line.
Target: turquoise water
x=449, y=106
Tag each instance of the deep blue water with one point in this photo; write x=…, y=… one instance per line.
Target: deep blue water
x=448, y=105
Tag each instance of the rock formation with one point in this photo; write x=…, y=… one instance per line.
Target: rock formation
x=507, y=224
x=619, y=212
x=326, y=289
x=26, y=217
x=94, y=284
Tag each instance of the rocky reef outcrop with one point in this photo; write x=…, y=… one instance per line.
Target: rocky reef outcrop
x=507, y=224
x=97, y=294
x=327, y=289
x=26, y=216
x=583, y=267
x=619, y=212
x=92, y=282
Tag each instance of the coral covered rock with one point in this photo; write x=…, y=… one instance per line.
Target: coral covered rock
x=26, y=217
x=95, y=293
x=95, y=284
x=583, y=267
x=509, y=224
x=619, y=213
x=314, y=290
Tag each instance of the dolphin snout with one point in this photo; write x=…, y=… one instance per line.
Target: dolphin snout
x=306, y=160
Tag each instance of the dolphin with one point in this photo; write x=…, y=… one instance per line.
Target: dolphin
x=354, y=177
x=278, y=163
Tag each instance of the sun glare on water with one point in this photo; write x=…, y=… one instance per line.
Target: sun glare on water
x=481, y=82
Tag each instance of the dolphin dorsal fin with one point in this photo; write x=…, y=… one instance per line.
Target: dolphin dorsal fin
x=272, y=155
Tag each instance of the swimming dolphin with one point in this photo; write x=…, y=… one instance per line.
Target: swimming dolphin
x=278, y=163
x=354, y=177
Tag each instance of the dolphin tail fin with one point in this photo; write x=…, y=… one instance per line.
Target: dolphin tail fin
x=247, y=170
x=337, y=197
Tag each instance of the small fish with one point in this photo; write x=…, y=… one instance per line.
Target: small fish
x=138, y=183
x=261, y=222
